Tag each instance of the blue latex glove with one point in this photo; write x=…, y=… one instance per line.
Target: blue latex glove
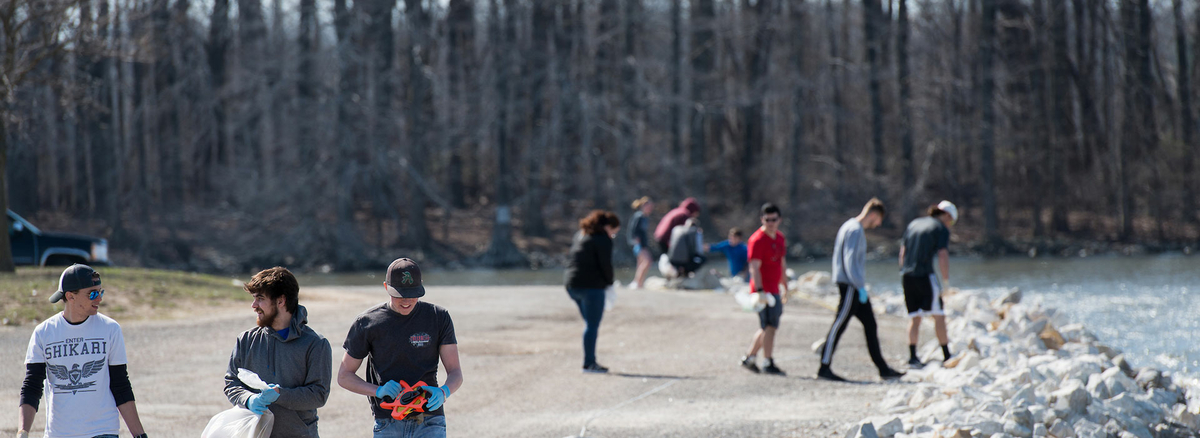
x=862, y=295
x=389, y=389
x=437, y=396
x=258, y=402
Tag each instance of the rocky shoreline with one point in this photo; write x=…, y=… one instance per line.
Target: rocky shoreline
x=1022, y=370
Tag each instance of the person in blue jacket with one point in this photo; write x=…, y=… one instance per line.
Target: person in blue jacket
x=734, y=249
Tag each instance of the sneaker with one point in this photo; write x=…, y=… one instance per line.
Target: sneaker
x=749, y=364
x=772, y=369
x=890, y=374
x=915, y=363
x=827, y=374
x=595, y=368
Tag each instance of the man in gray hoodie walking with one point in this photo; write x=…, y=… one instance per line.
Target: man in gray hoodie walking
x=849, y=256
x=285, y=352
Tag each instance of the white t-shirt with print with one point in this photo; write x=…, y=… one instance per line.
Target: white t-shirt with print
x=79, y=403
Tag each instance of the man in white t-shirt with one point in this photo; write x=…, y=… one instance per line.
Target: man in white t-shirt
x=79, y=355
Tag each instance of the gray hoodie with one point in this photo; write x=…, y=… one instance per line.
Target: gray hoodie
x=849, y=255
x=302, y=365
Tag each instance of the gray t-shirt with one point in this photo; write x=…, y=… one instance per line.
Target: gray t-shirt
x=400, y=347
x=922, y=240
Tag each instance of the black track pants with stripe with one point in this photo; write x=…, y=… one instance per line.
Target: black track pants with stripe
x=848, y=306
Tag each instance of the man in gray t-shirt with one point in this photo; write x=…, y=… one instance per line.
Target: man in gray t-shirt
x=403, y=340
x=925, y=238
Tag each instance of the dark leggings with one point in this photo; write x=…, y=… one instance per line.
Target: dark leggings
x=849, y=307
x=591, y=308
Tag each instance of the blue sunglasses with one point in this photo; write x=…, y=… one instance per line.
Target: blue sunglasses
x=95, y=294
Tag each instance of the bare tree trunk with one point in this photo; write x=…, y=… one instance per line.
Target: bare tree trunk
x=759, y=59
x=1183, y=83
x=6, y=257
x=703, y=84
x=798, y=145
x=987, y=141
x=1063, y=127
x=677, y=160
x=502, y=252
x=908, y=204
x=839, y=107
x=420, y=114
x=872, y=27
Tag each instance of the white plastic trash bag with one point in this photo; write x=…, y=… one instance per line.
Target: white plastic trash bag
x=751, y=302
x=665, y=266
x=610, y=298
x=239, y=423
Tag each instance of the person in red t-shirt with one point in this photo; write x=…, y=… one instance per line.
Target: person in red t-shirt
x=767, y=252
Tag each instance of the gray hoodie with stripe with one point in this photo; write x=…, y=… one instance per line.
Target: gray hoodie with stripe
x=301, y=364
x=849, y=255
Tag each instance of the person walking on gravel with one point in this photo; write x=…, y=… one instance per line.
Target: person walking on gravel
x=79, y=355
x=849, y=272
x=402, y=340
x=639, y=239
x=284, y=351
x=589, y=272
x=767, y=256
x=924, y=239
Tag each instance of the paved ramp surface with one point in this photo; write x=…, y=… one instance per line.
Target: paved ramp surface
x=673, y=357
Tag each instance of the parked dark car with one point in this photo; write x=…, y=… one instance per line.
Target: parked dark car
x=31, y=246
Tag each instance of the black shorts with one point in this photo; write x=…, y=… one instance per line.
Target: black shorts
x=922, y=295
x=769, y=316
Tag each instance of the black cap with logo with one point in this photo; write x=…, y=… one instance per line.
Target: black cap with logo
x=74, y=278
x=404, y=279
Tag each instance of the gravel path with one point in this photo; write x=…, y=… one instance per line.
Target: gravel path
x=673, y=357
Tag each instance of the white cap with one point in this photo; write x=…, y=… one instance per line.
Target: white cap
x=949, y=207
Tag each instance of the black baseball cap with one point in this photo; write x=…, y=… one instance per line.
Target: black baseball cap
x=404, y=279
x=74, y=278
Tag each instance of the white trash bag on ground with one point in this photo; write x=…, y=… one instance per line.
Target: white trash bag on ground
x=238, y=422
x=666, y=268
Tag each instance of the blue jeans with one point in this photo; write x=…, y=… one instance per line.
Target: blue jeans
x=432, y=427
x=591, y=308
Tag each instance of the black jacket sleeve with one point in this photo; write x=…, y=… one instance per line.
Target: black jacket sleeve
x=31, y=389
x=118, y=383
x=604, y=250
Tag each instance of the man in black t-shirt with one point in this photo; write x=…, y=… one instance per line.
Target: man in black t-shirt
x=402, y=340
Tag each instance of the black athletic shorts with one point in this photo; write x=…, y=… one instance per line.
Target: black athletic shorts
x=922, y=295
x=769, y=316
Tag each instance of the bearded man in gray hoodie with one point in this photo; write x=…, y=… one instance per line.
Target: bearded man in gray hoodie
x=286, y=353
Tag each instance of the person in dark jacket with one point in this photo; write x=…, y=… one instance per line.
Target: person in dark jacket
x=639, y=239
x=687, y=247
x=689, y=208
x=286, y=353
x=589, y=273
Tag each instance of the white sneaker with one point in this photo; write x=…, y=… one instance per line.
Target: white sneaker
x=633, y=286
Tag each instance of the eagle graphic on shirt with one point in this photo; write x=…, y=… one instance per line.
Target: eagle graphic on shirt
x=75, y=375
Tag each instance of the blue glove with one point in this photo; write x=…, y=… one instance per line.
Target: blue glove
x=389, y=389
x=437, y=396
x=258, y=402
x=862, y=295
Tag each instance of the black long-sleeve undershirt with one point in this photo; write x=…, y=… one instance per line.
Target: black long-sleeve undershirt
x=35, y=376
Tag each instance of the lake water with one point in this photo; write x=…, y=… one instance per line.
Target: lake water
x=1147, y=307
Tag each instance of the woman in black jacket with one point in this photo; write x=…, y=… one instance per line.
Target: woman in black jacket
x=589, y=272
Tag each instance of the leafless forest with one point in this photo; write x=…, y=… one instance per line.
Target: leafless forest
x=223, y=134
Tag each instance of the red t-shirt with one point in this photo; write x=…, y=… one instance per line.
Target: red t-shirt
x=771, y=252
